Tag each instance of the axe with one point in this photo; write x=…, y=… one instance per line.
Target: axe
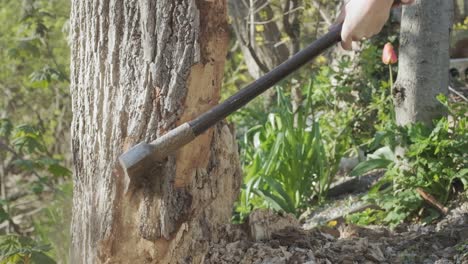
x=144, y=157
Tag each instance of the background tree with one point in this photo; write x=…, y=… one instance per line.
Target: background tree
x=138, y=69
x=424, y=61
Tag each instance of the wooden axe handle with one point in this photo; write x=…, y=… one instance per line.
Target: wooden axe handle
x=137, y=160
x=244, y=96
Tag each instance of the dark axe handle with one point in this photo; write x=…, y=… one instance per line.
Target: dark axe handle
x=244, y=96
x=142, y=157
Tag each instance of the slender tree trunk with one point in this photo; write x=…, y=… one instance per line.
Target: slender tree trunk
x=457, y=11
x=424, y=61
x=261, y=56
x=140, y=68
x=465, y=7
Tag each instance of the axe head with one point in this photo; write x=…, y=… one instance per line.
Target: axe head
x=136, y=162
x=143, y=158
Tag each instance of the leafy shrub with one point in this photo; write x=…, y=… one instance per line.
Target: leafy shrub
x=40, y=177
x=34, y=88
x=435, y=158
x=20, y=249
x=334, y=119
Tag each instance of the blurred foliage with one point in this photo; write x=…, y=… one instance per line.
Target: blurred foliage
x=20, y=249
x=34, y=70
x=311, y=25
x=34, y=131
x=461, y=26
x=35, y=185
x=435, y=160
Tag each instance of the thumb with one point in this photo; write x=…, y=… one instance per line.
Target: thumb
x=346, y=38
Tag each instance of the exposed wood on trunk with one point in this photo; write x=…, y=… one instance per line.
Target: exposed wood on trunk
x=140, y=68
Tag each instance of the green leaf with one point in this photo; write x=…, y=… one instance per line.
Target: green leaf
x=288, y=203
x=3, y=215
x=41, y=258
x=59, y=171
x=463, y=176
x=24, y=164
x=370, y=165
x=275, y=202
x=37, y=187
x=379, y=137
x=28, y=143
x=6, y=127
x=383, y=153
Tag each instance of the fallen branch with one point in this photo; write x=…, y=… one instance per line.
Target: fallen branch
x=458, y=94
x=432, y=201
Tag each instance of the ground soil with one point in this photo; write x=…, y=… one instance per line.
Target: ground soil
x=270, y=238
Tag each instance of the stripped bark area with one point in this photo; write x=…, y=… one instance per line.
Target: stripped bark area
x=139, y=69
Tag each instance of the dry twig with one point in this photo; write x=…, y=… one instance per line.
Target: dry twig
x=432, y=201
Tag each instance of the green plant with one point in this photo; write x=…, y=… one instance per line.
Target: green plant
x=335, y=117
x=23, y=149
x=434, y=159
x=34, y=85
x=20, y=249
x=367, y=217
x=287, y=161
x=34, y=92
x=24, y=154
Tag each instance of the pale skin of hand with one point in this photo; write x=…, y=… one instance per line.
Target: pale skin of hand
x=363, y=19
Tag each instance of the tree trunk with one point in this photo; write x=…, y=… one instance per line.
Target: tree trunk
x=465, y=7
x=424, y=61
x=140, y=68
x=457, y=12
x=260, y=56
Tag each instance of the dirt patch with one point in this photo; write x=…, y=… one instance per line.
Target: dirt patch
x=444, y=242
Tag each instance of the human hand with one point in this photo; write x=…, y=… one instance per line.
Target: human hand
x=363, y=19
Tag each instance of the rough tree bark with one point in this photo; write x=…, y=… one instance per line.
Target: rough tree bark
x=424, y=61
x=139, y=68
